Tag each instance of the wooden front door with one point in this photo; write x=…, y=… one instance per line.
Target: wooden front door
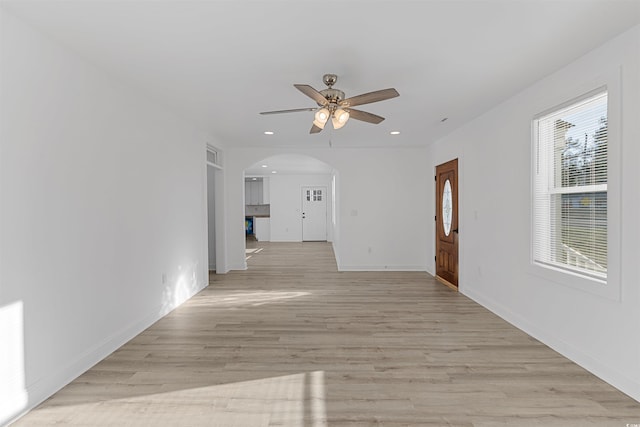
x=447, y=223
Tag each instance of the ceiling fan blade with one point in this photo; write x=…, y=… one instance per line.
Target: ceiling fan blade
x=367, y=98
x=313, y=94
x=364, y=116
x=315, y=129
x=295, y=110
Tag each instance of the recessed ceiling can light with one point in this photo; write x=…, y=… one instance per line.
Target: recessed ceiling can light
x=395, y=132
x=268, y=132
x=265, y=166
x=274, y=172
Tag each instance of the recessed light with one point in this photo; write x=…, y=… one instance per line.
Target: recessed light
x=254, y=179
x=265, y=166
x=395, y=132
x=274, y=172
x=268, y=132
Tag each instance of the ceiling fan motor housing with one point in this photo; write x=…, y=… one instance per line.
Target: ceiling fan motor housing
x=334, y=96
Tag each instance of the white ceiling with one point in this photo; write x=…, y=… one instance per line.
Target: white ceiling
x=289, y=164
x=219, y=63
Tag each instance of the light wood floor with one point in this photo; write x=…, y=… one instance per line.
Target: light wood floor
x=292, y=342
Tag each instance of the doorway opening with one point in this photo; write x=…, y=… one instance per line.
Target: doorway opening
x=277, y=208
x=215, y=229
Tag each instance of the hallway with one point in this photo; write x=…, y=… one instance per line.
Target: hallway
x=293, y=342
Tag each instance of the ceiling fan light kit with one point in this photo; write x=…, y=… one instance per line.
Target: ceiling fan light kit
x=321, y=117
x=333, y=105
x=340, y=118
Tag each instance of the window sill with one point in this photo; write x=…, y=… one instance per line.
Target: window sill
x=604, y=288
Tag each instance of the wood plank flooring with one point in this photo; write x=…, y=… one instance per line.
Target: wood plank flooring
x=293, y=342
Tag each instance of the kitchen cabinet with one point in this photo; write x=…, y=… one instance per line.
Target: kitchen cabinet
x=262, y=229
x=253, y=192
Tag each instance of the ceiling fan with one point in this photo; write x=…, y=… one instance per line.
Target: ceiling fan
x=333, y=105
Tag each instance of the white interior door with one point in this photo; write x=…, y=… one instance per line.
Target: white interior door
x=314, y=214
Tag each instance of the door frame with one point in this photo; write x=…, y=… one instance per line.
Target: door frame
x=437, y=215
x=219, y=208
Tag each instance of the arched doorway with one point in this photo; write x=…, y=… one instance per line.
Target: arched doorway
x=289, y=198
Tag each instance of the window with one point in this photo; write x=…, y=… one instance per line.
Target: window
x=570, y=187
x=213, y=156
x=317, y=196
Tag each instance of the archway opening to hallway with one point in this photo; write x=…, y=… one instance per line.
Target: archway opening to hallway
x=290, y=198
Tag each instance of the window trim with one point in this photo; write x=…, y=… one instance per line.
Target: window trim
x=609, y=81
x=546, y=165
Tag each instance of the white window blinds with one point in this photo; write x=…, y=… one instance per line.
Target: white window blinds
x=570, y=187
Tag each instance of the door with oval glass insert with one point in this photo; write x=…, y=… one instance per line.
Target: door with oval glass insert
x=447, y=223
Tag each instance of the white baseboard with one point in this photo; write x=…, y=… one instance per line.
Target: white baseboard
x=607, y=373
x=51, y=383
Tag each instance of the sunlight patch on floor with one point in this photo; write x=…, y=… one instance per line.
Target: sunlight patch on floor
x=290, y=400
x=252, y=298
x=252, y=251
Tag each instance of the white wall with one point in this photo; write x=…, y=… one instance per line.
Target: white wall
x=596, y=327
x=102, y=195
x=380, y=201
x=383, y=209
x=286, y=205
